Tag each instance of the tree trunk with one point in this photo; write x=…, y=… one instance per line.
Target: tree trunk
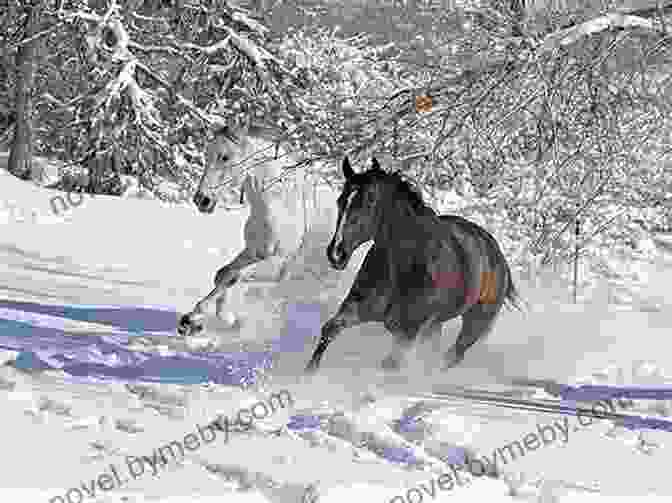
x=21, y=155
x=100, y=167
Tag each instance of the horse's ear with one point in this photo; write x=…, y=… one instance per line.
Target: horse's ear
x=347, y=169
x=375, y=165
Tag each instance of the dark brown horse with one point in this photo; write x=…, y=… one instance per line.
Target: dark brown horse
x=422, y=270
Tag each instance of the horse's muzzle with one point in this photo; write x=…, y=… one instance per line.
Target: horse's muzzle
x=337, y=256
x=205, y=204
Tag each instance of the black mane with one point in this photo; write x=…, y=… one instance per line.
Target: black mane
x=402, y=185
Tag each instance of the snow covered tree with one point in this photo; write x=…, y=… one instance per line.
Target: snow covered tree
x=135, y=85
x=542, y=114
x=21, y=23
x=540, y=111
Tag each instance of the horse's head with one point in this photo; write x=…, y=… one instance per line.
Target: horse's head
x=358, y=210
x=221, y=166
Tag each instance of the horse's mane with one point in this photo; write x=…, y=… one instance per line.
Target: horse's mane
x=261, y=156
x=408, y=189
x=405, y=200
x=403, y=186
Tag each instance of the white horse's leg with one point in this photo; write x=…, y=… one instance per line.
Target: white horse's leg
x=275, y=269
x=226, y=316
x=283, y=270
x=225, y=278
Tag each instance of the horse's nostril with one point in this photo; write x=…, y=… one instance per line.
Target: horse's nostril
x=336, y=254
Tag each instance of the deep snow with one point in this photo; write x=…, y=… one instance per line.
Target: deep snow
x=98, y=292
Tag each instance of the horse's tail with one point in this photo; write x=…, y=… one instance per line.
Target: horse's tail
x=512, y=296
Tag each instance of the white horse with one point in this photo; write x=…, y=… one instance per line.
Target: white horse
x=279, y=209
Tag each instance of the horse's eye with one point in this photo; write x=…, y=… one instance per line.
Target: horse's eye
x=370, y=197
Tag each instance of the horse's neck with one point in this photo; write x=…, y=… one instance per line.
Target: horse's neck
x=283, y=194
x=281, y=198
x=401, y=225
x=275, y=184
x=267, y=166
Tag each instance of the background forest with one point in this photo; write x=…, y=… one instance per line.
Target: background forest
x=543, y=113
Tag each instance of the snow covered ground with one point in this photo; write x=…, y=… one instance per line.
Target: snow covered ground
x=97, y=291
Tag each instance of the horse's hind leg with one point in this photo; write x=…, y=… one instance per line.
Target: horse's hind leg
x=403, y=341
x=476, y=324
x=432, y=330
x=433, y=333
x=221, y=297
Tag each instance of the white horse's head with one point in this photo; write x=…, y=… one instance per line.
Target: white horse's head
x=223, y=157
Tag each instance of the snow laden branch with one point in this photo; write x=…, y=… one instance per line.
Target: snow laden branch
x=476, y=86
x=142, y=101
x=111, y=40
x=70, y=17
x=256, y=54
x=153, y=92
x=63, y=17
x=600, y=24
x=111, y=45
x=209, y=50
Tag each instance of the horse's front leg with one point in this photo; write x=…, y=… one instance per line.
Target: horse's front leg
x=403, y=342
x=225, y=278
x=405, y=333
x=347, y=316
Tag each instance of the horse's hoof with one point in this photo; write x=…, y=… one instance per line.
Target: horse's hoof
x=391, y=364
x=451, y=359
x=184, y=325
x=185, y=331
x=311, y=368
